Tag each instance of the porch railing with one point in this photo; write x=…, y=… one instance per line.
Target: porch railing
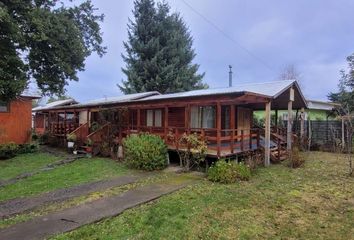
x=221, y=142
x=62, y=128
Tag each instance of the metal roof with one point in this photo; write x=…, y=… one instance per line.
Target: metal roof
x=268, y=89
x=321, y=105
x=109, y=100
x=55, y=104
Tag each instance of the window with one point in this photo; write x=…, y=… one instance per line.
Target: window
x=4, y=106
x=203, y=117
x=154, y=118
x=150, y=118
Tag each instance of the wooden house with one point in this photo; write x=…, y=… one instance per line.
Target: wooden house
x=16, y=119
x=40, y=118
x=223, y=117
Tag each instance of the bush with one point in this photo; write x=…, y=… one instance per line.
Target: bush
x=145, y=151
x=228, y=172
x=28, y=148
x=8, y=150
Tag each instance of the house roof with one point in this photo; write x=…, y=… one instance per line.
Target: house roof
x=267, y=89
x=58, y=103
x=29, y=94
x=108, y=100
x=321, y=105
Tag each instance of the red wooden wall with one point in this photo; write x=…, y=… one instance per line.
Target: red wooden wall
x=15, y=125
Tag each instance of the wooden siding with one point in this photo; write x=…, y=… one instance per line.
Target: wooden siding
x=176, y=117
x=15, y=125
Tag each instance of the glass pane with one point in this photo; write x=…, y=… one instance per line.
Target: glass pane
x=195, y=117
x=208, y=117
x=4, y=107
x=158, y=118
x=149, y=118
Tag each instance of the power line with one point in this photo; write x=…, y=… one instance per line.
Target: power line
x=227, y=36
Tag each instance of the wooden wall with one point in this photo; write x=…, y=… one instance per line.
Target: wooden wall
x=39, y=123
x=15, y=125
x=176, y=117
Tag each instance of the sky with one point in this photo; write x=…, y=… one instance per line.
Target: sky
x=258, y=38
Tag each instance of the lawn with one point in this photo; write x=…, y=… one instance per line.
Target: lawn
x=81, y=171
x=313, y=202
x=24, y=163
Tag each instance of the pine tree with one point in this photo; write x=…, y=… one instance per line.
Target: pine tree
x=159, y=52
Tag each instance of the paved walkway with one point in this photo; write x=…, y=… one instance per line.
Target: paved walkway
x=72, y=218
x=19, y=205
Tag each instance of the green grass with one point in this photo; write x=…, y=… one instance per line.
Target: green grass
x=80, y=171
x=312, y=202
x=24, y=163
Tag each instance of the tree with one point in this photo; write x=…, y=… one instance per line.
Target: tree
x=290, y=72
x=159, y=52
x=345, y=96
x=46, y=41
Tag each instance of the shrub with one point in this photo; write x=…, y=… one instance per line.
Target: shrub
x=71, y=137
x=145, y=151
x=28, y=148
x=8, y=150
x=228, y=172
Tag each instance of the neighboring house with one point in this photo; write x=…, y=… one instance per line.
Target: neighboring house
x=40, y=119
x=16, y=119
x=316, y=110
x=223, y=117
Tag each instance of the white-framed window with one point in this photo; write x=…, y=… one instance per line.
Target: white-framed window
x=4, y=107
x=154, y=118
x=202, y=117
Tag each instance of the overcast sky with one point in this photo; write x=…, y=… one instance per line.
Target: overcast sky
x=314, y=35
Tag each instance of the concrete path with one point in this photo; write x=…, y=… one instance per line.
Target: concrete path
x=72, y=218
x=19, y=205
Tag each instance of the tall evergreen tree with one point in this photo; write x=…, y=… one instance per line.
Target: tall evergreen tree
x=159, y=52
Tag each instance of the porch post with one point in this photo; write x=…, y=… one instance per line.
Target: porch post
x=187, y=110
x=218, y=127
x=88, y=118
x=302, y=123
x=290, y=119
x=276, y=118
x=267, y=134
x=166, y=123
x=138, y=120
x=232, y=126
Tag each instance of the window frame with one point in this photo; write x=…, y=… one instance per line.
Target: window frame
x=7, y=105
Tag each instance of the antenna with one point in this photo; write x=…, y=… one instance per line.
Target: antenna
x=230, y=76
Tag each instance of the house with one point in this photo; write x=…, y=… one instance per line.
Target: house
x=16, y=119
x=40, y=120
x=223, y=117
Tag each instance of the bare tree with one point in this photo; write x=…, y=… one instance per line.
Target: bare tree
x=290, y=72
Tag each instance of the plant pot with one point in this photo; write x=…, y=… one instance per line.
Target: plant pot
x=71, y=144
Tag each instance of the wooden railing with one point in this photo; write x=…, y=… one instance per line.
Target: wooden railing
x=223, y=142
x=62, y=128
x=98, y=135
x=81, y=132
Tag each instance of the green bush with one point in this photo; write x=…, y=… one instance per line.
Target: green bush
x=8, y=150
x=145, y=151
x=228, y=172
x=27, y=148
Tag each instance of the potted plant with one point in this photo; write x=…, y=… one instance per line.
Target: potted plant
x=89, y=144
x=71, y=138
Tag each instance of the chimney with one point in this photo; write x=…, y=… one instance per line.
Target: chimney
x=230, y=76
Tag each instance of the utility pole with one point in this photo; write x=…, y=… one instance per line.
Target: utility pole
x=230, y=76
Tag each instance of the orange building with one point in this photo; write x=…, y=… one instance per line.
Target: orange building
x=16, y=120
